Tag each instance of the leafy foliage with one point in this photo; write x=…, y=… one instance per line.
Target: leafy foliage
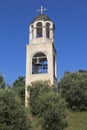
x=19, y=87
x=47, y=104
x=74, y=89
x=36, y=89
x=51, y=110
x=12, y=114
x=2, y=81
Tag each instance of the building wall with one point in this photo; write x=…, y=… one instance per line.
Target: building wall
x=47, y=49
x=32, y=49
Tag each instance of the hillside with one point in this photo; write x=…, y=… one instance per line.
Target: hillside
x=76, y=121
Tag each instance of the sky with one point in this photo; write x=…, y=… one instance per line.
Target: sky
x=70, y=18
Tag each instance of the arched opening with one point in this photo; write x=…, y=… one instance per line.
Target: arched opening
x=39, y=29
x=48, y=30
x=39, y=63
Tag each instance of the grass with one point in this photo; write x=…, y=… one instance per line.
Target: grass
x=76, y=120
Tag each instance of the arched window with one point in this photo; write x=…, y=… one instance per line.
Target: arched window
x=39, y=63
x=39, y=29
x=48, y=30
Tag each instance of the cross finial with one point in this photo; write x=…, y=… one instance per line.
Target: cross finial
x=41, y=10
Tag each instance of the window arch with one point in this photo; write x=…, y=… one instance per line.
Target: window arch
x=39, y=29
x=48, y=30
x=39, y=63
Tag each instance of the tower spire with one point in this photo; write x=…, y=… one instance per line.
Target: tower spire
x=41, y=10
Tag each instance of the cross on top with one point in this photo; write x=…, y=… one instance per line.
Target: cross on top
x=41, y=10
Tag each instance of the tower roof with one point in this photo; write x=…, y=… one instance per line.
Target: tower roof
x=41, y=17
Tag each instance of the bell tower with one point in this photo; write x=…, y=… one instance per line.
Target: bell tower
x=40, y=52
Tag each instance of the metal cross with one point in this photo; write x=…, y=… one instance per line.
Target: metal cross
x=41, y=10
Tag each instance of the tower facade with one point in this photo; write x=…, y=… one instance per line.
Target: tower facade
x=40, y=52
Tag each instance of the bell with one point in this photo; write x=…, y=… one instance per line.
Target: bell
x=38, y=62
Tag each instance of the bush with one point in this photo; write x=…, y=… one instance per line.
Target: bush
x=19, y=88
x=36, y=89
x=48, y=105
x=51, y=110
x=12, y=114
x=74, y=89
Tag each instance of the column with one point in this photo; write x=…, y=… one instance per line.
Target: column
x=34, y=31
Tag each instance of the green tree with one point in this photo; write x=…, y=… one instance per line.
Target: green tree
x=12, y=114
x=51, y=111
x=47, y=104
x=2, y=81
x=36, y=89
x=19, y=87
x=74, y=89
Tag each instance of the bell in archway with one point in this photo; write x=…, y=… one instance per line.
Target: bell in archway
x=38, y=63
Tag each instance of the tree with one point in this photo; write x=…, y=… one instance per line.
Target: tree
x=51, y=111
x=2, y=81
x=46, y=103
x=19, y=87
x=12, y=114
x=74, y=89
x=36, y=89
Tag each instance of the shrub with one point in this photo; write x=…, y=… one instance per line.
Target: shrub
x=48, y=105
x=12, y=114
x=51, y=110
x=74, y=89
x=36, y=89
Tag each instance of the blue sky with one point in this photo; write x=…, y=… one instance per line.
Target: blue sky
x=70, y=18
